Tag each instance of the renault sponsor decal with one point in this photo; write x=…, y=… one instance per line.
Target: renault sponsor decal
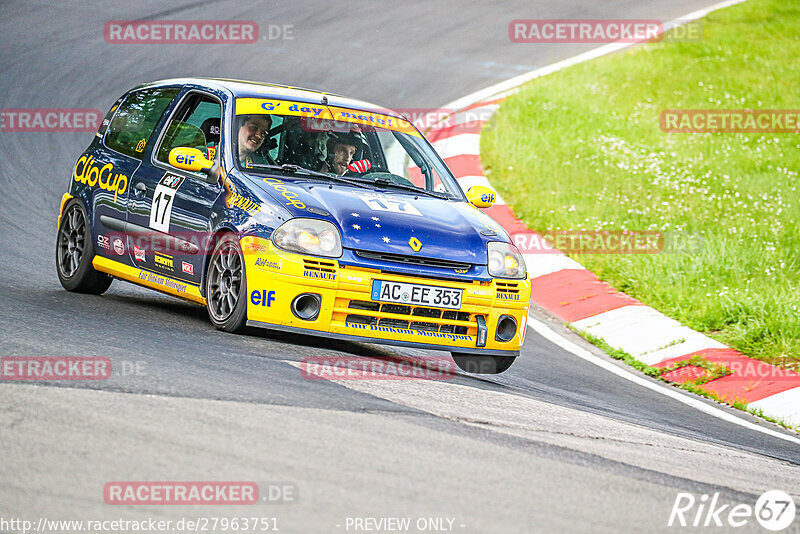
x=319, y=275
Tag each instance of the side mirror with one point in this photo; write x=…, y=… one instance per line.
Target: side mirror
x=192, y=159
x=481, y=196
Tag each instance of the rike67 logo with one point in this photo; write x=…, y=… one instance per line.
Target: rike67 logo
x=774, y=510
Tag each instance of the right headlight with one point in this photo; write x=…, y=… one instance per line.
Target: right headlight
x=505, y=261
x=309, y=236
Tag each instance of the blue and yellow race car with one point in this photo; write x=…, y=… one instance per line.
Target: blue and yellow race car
x=295, y=210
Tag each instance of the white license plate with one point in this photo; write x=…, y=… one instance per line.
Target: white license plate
x=417, y=294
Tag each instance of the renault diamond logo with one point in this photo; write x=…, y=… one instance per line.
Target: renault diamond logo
x=415, y=244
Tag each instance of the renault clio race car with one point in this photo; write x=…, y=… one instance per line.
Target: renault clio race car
x=295, y=210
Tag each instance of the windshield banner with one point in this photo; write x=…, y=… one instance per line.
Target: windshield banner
x=252, y=106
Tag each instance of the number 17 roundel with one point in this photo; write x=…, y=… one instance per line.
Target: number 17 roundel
x=161, y=208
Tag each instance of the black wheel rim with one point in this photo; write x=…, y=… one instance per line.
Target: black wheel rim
x=224, y=282
x=71, y=241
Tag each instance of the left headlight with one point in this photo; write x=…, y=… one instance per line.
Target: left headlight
x=505, y=261
x=309, y=236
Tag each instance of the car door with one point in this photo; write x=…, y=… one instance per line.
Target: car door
x=111, y=162
x=169, y=216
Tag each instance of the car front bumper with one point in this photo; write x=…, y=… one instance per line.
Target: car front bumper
x=346, y=311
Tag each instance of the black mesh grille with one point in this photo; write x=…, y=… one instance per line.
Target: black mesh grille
x=413, y=260
x=399, y=309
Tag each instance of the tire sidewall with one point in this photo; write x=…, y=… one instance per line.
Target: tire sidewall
x=74, y=282
x=236, y=320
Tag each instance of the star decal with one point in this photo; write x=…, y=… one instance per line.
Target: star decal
x=356, y=227
x=375, y=219
x=385, y=239
x=355, y=215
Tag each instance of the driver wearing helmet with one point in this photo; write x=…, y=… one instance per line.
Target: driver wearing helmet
x=337, y=150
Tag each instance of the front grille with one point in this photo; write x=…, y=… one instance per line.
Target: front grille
x=319, y=265
x=413, y=260
x=400, y=309
x=507, y=287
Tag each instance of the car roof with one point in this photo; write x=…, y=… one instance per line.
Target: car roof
x=250, y=89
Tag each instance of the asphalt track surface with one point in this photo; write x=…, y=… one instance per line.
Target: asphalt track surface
x=555, y=444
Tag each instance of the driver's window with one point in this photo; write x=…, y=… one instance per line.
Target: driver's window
x=196, y=124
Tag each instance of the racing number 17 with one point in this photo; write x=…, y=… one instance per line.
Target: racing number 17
x=161, y=209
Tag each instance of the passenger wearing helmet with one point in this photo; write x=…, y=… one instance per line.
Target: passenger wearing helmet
x=337, y=150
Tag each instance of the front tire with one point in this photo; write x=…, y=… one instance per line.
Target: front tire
x=481, y=364
x=75, y=252
x=226, y=286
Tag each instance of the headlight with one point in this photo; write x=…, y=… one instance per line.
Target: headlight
x=505, y=261
x=309, y=236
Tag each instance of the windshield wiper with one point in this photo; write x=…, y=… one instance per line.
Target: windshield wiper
x=388, y=183
x=296, y=169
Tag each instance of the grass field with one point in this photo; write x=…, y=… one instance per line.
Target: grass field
x=582, y=149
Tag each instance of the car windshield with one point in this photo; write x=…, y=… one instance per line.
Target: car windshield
x=315, y=141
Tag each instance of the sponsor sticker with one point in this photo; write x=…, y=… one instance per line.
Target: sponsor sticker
x=90, y=172
x=163, y=198
x=261, y=262
x=319, y=275
x=138, y=253
x=390, y=203
x=103, y=242
x=164, y=261
x=187, y=267
x=119, y=247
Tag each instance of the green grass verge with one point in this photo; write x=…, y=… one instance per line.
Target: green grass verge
x=582, y=149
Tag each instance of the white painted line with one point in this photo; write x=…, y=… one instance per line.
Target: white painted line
x=468, y=181
x=646, y=334
x=783, y=405
x=512, y=84
x=542, y=264
x=546, y=332
x=457, y=145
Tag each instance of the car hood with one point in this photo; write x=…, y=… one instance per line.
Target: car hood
x=386, y=220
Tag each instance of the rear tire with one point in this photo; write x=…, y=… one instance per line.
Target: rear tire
x=481, y=364
x=75, y=252
x=226, y=286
